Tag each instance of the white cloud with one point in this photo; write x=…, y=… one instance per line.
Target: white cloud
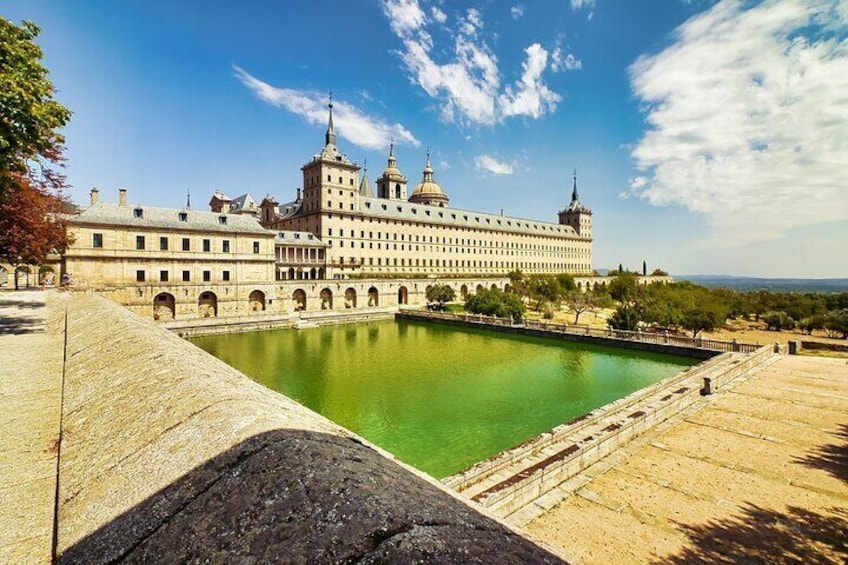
x=492, y=165
x=567, y=62
x=532, y=98
x=405, y=16
x=444, y=165
x=351, y=123
x=468, y=85
x=517, y=11
x=578, y=5
x=438, y=15
x=748, y=119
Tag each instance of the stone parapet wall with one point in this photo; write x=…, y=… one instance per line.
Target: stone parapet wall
x=543, y=464
x=170, y=455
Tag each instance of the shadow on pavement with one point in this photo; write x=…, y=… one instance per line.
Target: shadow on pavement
x=797, y=536
x=303, y=497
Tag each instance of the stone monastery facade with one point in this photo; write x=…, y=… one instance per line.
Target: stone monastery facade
x=241, y=258
x=392, y=233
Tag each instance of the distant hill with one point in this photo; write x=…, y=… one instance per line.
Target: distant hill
x=779, y=285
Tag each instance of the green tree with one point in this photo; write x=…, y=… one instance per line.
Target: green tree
x=566, y=282
x=778, y=320
x=624, y=318
x=32, y=197
x=495, y=303
x=440, y=294
x=31, y=118
x=581, y=302
x=836, y=323
x=811, y=323
x=624, y=287
x=543, y=290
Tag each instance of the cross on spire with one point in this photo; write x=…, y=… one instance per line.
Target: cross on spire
x=330, y=137
x=574, y=191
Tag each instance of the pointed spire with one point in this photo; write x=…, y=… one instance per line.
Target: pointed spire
x=574, y=191
x=428, y=169
x=392, y=163
x=330, y=137
x=188, y=199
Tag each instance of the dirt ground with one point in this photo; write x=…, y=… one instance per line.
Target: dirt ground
x=743, y=331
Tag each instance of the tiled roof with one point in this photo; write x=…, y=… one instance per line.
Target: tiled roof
x=104, y=213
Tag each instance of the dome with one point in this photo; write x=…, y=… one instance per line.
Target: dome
x=429, y=191
x=391, y=171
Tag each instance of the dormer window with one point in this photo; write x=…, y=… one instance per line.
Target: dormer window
x=183, y=216
x=222, y=220
x=138, y=213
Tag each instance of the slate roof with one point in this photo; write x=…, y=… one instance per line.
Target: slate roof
x=299, y=238
x=407, y=211
x=107, y=214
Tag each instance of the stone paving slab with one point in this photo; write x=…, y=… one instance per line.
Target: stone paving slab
x=30, y=390
x=758, y=475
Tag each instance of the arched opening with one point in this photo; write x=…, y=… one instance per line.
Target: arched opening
x=313, y=273
x=164, y=306
x=256, y=301
x=321, y=273
x=494, y=287
x=507, y=288
x=4, y=276
x=299, y=300
x=403, y=295
x=595, y=286
x=291, y=273
x=22, y=276
x=326, y=299
x=480, y=288
x=580, y=286
x=373, y=297
x=463, y=291
x=207, y=305
x=397, y=191
x=350, y=298
x=46, y=276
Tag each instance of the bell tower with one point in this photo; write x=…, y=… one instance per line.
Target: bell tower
x=576, y=215
x=392, y=184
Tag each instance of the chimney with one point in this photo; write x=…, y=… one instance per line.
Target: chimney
x=95, y=195
x=122, y=196
x=298, y=195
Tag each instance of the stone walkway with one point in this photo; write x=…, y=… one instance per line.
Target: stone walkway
x=30, y=391
x=757, y=475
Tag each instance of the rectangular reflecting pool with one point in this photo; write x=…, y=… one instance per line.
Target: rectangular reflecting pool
x=440, y=398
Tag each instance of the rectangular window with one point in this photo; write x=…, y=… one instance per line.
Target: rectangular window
x=207, y=276
x=139, y=242
x=186, y=276
x=183, y=216
x=225, y=275
x=163, y=244
x=163, y=276
x=139, y=276
x=256, y=247
x=186, y=244
x=207, y=245
x=97, y=240
x=225, y=246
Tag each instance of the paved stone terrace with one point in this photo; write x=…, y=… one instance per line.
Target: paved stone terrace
x=758, y=474
x=30, y=390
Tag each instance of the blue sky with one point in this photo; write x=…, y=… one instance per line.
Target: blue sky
x=709, y=137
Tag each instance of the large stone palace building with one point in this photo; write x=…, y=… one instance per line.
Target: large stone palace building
x=338, y=244
x=390, y=233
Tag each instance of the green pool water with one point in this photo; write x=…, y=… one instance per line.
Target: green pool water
x=440, y=398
